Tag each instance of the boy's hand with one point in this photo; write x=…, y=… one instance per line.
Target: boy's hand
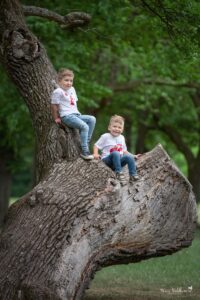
x=137, y=155
x=96, y=156
x=58, y=120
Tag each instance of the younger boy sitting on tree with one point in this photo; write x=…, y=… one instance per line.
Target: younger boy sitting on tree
x=114, y=151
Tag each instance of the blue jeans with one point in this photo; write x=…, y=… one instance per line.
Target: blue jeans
x=85, y=124
x=116, y=162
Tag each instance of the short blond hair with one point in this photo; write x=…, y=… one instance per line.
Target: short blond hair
x=116, y=119
x=65, y=72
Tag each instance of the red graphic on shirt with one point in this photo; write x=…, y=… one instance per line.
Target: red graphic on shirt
x=72, y=100
x=117, y=147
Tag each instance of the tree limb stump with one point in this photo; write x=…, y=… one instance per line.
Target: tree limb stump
x=79, y=219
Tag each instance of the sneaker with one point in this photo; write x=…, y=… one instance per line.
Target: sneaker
x=87, y=155
x=120, y=176
x=133, y=178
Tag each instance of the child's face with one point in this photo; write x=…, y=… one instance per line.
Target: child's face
x=116, y=128
x=66, y=82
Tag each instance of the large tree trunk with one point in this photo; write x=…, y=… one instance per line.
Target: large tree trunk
x=78, y=218
x=194, y=177
x=141, y=132
x=194, y=165
x=5, y=188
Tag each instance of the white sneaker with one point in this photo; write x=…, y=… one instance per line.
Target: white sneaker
x=133, y=178
x=87, y=155
x=120, y=176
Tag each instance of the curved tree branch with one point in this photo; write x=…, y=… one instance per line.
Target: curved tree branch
x=135, y=83
x=71, y=20
x=131, y=85
x=79, y=220
x=178, y=141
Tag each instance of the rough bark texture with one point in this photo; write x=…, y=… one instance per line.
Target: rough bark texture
x=194, y=177
x=79, y=219
x=5, y=186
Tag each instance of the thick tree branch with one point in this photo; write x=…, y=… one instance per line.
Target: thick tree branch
x=69, y=21
x=176, y=138
x=79, y=219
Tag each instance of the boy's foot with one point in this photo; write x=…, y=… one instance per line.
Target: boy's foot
x=120, y=176
x=87, y=155
x=133, y=178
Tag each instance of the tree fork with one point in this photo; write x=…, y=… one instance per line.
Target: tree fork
x=79, y=219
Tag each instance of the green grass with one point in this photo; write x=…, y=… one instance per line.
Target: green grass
x=169, y=277
x=198, y=212
x=12, y=200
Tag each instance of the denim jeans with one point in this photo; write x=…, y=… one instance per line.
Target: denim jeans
x=116, y=162
x=85, y=124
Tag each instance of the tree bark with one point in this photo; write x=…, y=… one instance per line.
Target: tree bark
x=78, y=218
x=194, y=177
x=141, y=132
x=5, y=187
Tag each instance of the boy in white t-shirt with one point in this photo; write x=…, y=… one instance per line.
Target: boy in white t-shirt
x=64, y=107
x=114, y=151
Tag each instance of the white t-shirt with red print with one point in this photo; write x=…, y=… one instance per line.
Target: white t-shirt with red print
x=66, y=100
x=108, y=143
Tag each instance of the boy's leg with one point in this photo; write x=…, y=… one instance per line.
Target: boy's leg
x=90, y=121
x=113, y=161
x=128, y=159
x=74, y=121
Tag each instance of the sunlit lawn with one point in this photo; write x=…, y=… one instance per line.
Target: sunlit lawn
x=12, y=200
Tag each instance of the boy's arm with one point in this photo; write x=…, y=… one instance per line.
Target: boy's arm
x=55, y=114
x=96, y=152
x=125, y=151
x=136, y=156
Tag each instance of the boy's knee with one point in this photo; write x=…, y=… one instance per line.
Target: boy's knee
x=115, y=153
x=129, y=157
x=92, y=119
x=84, y=127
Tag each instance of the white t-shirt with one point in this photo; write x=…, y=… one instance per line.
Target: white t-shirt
x=108, y=143
x=67, y=101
